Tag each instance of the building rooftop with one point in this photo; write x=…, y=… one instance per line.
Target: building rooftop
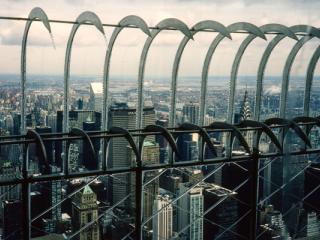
x=96, y=87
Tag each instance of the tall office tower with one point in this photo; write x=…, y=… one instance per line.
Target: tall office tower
x=215, y=177
x=51, y=121
x=289, y=171
x=80, y=104
x=76, y=120
x=12, y=229
x=190, y=113
x=85, y=211
x=120, y=115
x=162, y=220
x=313, y=225
x=96, y=96
x=273, y=219
x=56, y=197
x=188, y=147
x=7, y=172
x=311, y=190
x=190, y=212
x=88, y=161
x=224, y=215
x=48, y=145
x=9, y=124
x=163, y=144
x=16, y=123
x=150, y=155
x=232, y=176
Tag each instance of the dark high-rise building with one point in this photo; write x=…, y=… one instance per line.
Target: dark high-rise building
x=76, y=120
x=188, y=147
x=224, y=215
x=48, y=145
x=163, y=144
x=12, y=227
x=88, y=161
x=190, y=113
x=311, y=184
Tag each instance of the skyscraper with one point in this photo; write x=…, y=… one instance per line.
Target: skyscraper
x=150, y=191
x=190, y=212
x=190, y=113
x=76, y=120
x=162, y=220
x=223, y=215
x=85, y=211
x=120, y=115
x=96, y=96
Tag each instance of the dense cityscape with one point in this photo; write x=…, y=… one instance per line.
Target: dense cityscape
x=205, y=202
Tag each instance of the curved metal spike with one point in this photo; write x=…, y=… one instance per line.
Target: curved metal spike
x=310, y=74
x=36, y=13
x=264, y=128
x=32, y=134
x=313, y=32
x=165, y=133
x=203, y=133
x=79, y=132
x=128, y=137
x=304, y=119
x=130, y=20
x=205, y=68
x=213, y=25
x=278, y=28
x=235, y=133
x=289, y=124
x=164, y=24
x=85, y=17
x=263, y=63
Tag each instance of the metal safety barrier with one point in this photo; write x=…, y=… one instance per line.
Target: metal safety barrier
x=276, y=129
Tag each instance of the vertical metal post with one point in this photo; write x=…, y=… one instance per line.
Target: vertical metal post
x=138, y=202
x=255, y=192
x=26, y=215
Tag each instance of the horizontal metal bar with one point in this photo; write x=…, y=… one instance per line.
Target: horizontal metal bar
x=61, y=176
x=20, y=139
x=117, y=25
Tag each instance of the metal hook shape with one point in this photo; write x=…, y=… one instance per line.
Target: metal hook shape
x=305, y=119
x=164, y=24
x=289, y=124
x=278, y=28
x=36, y=13
x=129, y=138
x=264, y=128
x=79, y=132
x=164, y=132
x=203, y=133
x=235, y=133
x=310, y=74
x=253, y=29
x=130, y=20
x=203, y=25
x=263, y=63
x=32, y=134
x=85, y=17
x=312, y=32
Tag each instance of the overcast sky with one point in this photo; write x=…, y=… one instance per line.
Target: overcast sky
x=90, y=46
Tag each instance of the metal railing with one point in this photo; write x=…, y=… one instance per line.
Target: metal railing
x=253, y=154
x=301, y=125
